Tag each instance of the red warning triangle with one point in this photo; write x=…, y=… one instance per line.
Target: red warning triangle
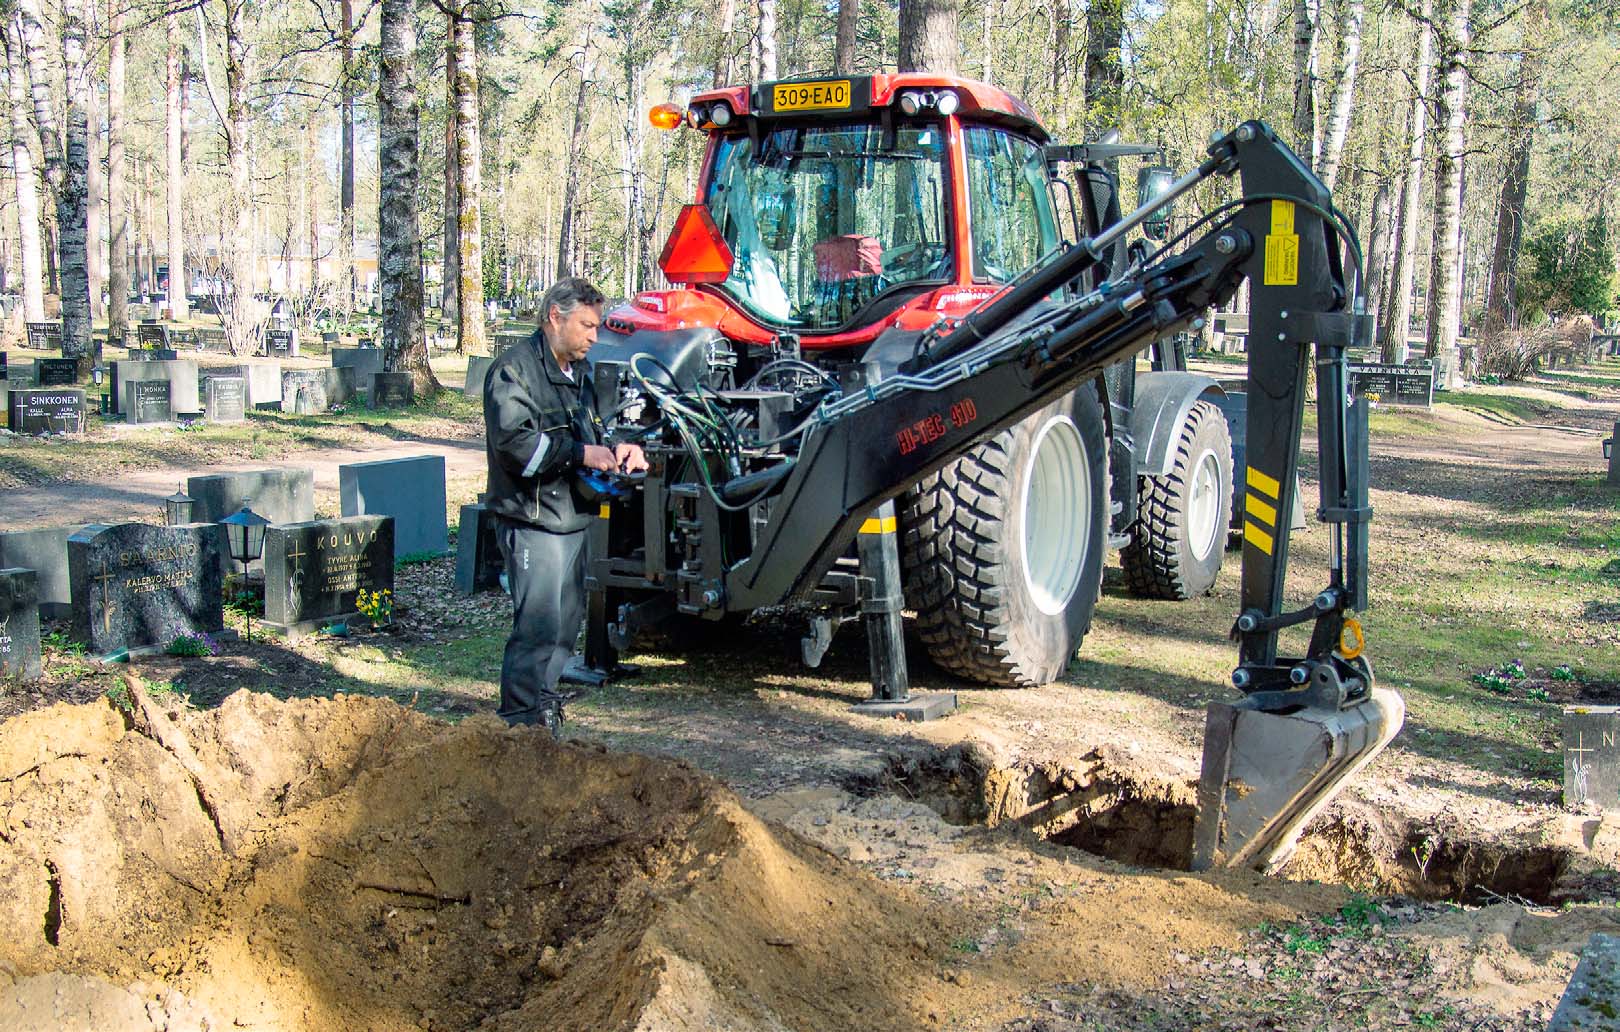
x=695, y=251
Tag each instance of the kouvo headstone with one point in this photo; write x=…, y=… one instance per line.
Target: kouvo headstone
x=43, y=550
x=390, y=390
x=225, y=399
x=1394, y=384
x=411, y=490
x=19, y=623
x=279, y=495
x=147, y=401
x=56, y=410
x=137, y=586
x=478, y=551
x=56, y=372
x=313, y=571
x=1592, y=755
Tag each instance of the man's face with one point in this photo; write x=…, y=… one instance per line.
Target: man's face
x=572, y=335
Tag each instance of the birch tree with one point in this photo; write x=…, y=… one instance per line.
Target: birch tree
x=765, y=42
x=117, y=174
x=1305, y=21
x=25, y=175
x=176, y=172
x=576, y=146
x=1445, y=282
x=1410, y=210
x=346, y=84
x=1105, y=74
x=450, y=286
x=1344, y=88
x=469, y=165
x=399, y=237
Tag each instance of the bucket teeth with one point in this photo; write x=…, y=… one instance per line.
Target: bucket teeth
x=1265, y=775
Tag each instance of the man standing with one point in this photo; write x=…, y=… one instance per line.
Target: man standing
x=541, y=429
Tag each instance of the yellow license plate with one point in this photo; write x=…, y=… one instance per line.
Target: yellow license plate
x=811, y=96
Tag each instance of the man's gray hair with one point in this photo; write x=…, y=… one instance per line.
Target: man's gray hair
x=568, y=294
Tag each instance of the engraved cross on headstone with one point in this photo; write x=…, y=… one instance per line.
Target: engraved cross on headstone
x=105, y=576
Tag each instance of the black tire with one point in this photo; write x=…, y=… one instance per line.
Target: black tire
x=1162, y=560
x=979, y=612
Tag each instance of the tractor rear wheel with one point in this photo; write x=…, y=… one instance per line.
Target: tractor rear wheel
x=1003, y=549
x=1179, y=537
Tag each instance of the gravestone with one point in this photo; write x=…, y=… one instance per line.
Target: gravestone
x=147, y=401
x=137, y=586
x=279, y=495
x=184, y=398
x=477, y=370
x=281, y=343
x=152, y=335
x=314, y=570
x=212, y=340
x=225, y=399
x=1592, y=755
x=320, y=389
x=410, y=490
x=478, y=551
x=391, y=390
x=45, y=551
x=56, y=372
x=364, y=361
x=55, y=410
x=263, y=382
x=1394, y=384
x=19, y=623
x=45, y=336
x=1591, y=1001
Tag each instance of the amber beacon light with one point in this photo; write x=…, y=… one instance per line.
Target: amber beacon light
x=665, y=116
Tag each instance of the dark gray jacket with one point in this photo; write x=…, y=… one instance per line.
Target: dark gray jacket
x=537, y=422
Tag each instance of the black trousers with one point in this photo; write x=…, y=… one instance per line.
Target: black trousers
x=546, y=574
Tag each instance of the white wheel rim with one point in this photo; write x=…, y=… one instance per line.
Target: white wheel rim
x=1056, y=510
x=1204, y=505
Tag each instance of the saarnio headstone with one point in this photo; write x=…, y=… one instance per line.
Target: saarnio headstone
x=57, y=410
x=136, y=587
x=19, y=623
x=225, y=399
x=147, y=401
x=314, y=571
x=1592, y=756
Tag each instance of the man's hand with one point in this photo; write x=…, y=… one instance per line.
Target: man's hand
x=598, y=457
x=630, y=458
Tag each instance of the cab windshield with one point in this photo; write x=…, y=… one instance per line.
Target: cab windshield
x=824, y=220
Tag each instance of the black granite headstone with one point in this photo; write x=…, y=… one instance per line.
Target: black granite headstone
x=225, y=400
x=44, y=336
x=313, y=571
x=19, y=623
x=389, y=390
x=1394, y=384
x=478, y=551
x=55, y=410
x=152, y=335
x=279, y=343
x=1592, y=755
x=137, y=586
x=56, y=372
x=147, y=401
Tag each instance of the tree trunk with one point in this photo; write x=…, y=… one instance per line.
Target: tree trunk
x=117, y=204
x=399, y=236
x=1306, y=141
x=470, y=165
x=72, y=215
x=27, y=178
x=1105, y=75
x=1445, y=293
x=450, y=275
x=566, y=236
x=767, y=40
x=95, y=200
x=1383, y=215
x=1399, y=324
x=246, y=329
x=1344, y=87
x=175, y=176
x=722, y=45
x=346, y=74
x=928, y=36
x=844, y=47
x=1501, y=303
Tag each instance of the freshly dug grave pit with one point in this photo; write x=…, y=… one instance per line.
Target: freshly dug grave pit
x=1106, y=804
x=350, y=864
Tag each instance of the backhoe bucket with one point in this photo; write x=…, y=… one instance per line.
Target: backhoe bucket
x=1267, y=774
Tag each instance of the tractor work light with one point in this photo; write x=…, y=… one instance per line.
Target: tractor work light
x=911, y=103
x=694, y=116
x=947, y=102
x=720, y=114
x=664, y=116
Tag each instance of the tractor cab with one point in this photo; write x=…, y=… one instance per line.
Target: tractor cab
x=838, y=208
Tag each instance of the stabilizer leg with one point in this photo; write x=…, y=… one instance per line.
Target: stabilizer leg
x=882, y=602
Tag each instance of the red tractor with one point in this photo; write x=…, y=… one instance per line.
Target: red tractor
x=831, y=213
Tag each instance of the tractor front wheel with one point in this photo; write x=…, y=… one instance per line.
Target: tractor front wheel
x=1003, y=549
x=1178, y=539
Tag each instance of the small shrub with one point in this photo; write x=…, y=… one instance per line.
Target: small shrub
x=1563, y=672
x=188, y=643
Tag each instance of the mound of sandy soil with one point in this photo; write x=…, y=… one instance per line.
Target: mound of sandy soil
x=348, y=864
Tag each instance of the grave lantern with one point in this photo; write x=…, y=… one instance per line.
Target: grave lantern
x=244, y=533
x=177, y=507
x=98, y=376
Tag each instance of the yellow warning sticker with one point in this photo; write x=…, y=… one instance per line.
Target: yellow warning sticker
x=875, y=525
x=1257, y=510
x=1257, y=537
x=1282, y=260
x=1262, y=482
x=1282, y=218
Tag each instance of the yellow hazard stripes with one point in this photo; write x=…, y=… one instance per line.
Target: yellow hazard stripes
x=1260, y=515
x=879, y=525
